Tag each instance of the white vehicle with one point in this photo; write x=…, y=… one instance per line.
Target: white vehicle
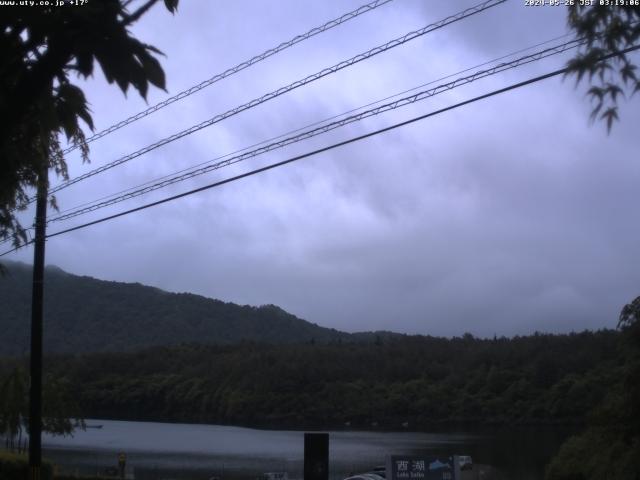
x=465, y=462
x=366, y=476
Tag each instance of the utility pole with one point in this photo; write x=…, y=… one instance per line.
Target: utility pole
x=35, y=390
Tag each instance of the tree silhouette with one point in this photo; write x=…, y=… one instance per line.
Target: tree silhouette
x=42, y=50
x=610, y=445
x=61, y=411
x=607, y=29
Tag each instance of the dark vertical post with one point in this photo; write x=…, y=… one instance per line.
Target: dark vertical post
x=316, y=456
x=35, y=392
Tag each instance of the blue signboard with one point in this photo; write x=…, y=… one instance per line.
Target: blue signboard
x=410, y=467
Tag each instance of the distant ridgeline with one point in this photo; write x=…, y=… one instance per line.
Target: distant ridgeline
x=83, y=314
x=314, y=377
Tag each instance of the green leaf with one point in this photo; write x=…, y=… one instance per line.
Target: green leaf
x=152, y=70
x=86, y=117
x=628, y=73
x=172, y=5
x=595, y=112
x=596, y=92
x=610, y=114
x=76, y=101
x=139, y=80
x=84, y=63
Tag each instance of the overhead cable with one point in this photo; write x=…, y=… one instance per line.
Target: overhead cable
x=282, y=90
x=402, y=102
x=305, y=127
x=306, y=155
x=320, y=150
x=233, y=70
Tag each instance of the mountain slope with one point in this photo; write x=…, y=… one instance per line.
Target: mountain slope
x=83, y=314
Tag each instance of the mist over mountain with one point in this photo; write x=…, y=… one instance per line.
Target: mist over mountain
x=84, y=314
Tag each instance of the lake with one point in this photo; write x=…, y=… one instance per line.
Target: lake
x=166, y=450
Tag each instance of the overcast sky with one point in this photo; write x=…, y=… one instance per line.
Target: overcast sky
x=507, y=216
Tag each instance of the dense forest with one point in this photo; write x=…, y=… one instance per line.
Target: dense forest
x=415, y=381
x=609, y=447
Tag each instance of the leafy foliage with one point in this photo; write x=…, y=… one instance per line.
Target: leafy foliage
x=608, y=30
x=39, y=49
x=13, y=393
x=593, y=455
x=610, y=446
x=60, y=412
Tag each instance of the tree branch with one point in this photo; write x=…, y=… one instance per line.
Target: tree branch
x=129, y=19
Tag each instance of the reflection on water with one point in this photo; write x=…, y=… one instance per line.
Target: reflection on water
x=158, y=450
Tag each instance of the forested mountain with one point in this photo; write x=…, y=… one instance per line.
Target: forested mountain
x=203, y=360
x=83, y=314
x=416, y=381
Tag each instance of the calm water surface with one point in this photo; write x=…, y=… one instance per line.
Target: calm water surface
x=164, y=450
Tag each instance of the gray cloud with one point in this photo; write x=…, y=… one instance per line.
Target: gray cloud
x=508, y=216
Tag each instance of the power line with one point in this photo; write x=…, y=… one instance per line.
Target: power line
x=309, y=154
x=233, y=70
x=315, y=152
x=282, y=90
x=423, y=95
x=305, y=155
x=321, y=150
x=129, y=191
x=313, y=124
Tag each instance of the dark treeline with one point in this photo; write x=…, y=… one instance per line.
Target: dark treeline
x=419, y=380
x=86, y=315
